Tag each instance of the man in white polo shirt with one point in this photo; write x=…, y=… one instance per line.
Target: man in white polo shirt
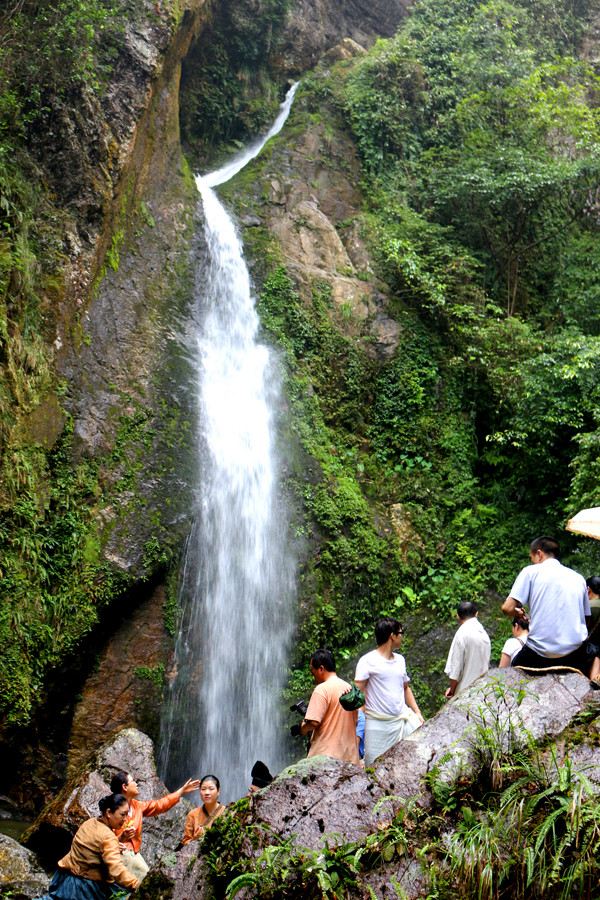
x=558, y=604
x=391, y=711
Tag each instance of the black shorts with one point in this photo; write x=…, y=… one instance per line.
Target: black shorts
x=577, y=659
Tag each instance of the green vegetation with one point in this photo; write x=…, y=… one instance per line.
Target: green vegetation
x=154, y=674
x=59, y=507
x=522, y=822
x=53, y=583
x=230, y=87
x=485, y=169
x=478, y=134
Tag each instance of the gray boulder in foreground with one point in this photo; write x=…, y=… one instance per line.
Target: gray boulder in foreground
x=504, y=710
x=21, y=876
x=324, y=802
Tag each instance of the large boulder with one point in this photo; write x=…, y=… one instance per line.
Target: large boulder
x=129, y=750
x=502, y=711
x=321, y=800
x=20, y=873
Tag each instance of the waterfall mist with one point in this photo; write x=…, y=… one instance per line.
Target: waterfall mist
x=237, y=582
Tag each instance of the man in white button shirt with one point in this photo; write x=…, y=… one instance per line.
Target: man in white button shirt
x=558, y=604
x=469, y=655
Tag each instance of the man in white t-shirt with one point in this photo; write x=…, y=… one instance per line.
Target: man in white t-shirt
x=558, y=604
x=469, y=655
x=391, y=711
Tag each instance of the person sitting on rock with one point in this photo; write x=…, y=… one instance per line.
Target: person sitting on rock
x=515, y=643
x=200, y=819
x=130, y=834
x=558, y=604
x=261, y=777
x=469, y=655
x=593, y=591
x=332, y=728
x=94, y=869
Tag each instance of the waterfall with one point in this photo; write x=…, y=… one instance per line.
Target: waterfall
x=237, y=582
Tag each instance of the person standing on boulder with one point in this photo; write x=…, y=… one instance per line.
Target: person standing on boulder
x=332, y=728
x=391, y=711
x=130, y=834
x=558, y=603
x=469, y=655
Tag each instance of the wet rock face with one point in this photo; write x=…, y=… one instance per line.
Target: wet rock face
x=126, y=687
x=316, y=25
x=129, y=374
x=21, y=875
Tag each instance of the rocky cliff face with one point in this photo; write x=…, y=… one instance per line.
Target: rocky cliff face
x=118, y=413
x=314, y=27
x=124, y=353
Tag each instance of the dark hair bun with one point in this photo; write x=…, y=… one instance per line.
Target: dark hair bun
x=111, y=802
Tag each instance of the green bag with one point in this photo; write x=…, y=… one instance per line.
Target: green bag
x=352, y=699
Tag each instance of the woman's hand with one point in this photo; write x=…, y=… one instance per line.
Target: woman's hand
x=127, y=834
x=192, y=784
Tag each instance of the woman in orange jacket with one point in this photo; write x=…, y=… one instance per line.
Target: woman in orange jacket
x=200, y=819
x=130, y=835
x=94, y=869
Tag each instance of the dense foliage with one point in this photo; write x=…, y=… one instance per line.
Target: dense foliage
x=229, y=86
x=486, y=162
x=478, y=134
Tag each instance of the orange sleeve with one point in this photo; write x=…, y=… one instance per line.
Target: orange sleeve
x=317, y=706
x=191, y=830
x=111, y=856
x=160, y=805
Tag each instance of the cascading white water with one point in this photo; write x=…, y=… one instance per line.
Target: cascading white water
x=237, y=584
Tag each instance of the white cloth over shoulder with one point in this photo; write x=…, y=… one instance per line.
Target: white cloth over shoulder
x=469, y=655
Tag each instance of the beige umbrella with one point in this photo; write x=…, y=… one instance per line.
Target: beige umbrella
x=586, y=522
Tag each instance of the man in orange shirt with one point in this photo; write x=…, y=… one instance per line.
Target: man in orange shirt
x=333, y=728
